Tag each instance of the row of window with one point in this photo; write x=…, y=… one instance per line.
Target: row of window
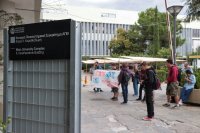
x=89, y=27
x=95, y=48
x=196, y=33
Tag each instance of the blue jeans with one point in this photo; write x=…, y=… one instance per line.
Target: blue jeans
x=185, y=94
x=135, y=86
x=125, y=92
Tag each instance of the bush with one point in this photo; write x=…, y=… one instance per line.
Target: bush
x=197, y=75
x=161, y=74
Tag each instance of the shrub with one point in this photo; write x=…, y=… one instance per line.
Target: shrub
x=161, y=74
x=197, y=75
x=3, y=126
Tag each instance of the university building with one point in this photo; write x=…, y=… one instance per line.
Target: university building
x=99, y=26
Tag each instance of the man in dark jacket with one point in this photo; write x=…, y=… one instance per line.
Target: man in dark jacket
x=149, y=87
x=123, y=79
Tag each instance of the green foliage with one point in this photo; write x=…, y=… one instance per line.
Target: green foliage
x=197, y=52
x=183, y=75
x=164, y=53
x=85, y=57
x=121, y=45
x=153, y=28
x=147, y=36
x=161, y=74
x=3, y=126
x=193, y=12
x=115, y=55
x=197, y=75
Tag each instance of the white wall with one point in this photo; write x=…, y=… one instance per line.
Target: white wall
x=196, y=44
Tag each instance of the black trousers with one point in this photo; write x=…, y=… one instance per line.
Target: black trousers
x=140, y=91
x=149, y=102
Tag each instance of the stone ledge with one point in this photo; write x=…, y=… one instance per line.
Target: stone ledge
x=194, y=96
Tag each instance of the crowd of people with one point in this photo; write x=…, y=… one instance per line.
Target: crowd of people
x=145, y=80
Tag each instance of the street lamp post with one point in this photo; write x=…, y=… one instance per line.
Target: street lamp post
x=174, y=11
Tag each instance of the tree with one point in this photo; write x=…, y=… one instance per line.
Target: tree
x=196, y=51
x=164, y=53
x=193, y=11
x=156, y=38
x=147, y=36
x=121, y=44
x=153, y=27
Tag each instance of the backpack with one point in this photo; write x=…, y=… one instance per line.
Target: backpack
x=179, y=75
x=157, y=84
x=125, y=77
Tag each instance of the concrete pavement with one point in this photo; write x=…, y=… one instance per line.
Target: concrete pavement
x=102, y=115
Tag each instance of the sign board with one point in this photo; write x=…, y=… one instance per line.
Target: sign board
x=40, y=41
x=105, y=78
x=42, y=70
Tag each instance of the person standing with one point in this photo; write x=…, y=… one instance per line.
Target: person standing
x=149, y=87
x=123, y=79
x=115, y=89
x=190, y=81
x=172, y=83
x=142, y=77
x=187, y=67
x=135, y=79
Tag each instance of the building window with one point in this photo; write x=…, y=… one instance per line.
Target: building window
x=196, y=32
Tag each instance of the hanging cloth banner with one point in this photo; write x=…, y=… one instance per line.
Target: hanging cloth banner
x=105, y=78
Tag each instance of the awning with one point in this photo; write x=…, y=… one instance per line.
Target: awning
x=123, y=60
x=149, y=59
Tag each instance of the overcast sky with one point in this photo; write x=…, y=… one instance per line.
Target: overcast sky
x=132, y=5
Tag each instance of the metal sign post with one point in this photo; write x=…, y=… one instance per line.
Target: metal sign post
x=42, y=76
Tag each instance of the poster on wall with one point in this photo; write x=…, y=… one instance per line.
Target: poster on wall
x=40, y=41
x=105, y=78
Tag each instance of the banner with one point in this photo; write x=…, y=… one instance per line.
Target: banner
x=105, y=78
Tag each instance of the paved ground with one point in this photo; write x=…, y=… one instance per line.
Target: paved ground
x=101, y=115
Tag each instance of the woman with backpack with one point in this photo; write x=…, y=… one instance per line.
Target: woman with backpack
x=149, y=87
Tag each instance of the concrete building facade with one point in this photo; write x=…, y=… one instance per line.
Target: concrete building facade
x=99, y=26
x=96, y=37
x=191, y=34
